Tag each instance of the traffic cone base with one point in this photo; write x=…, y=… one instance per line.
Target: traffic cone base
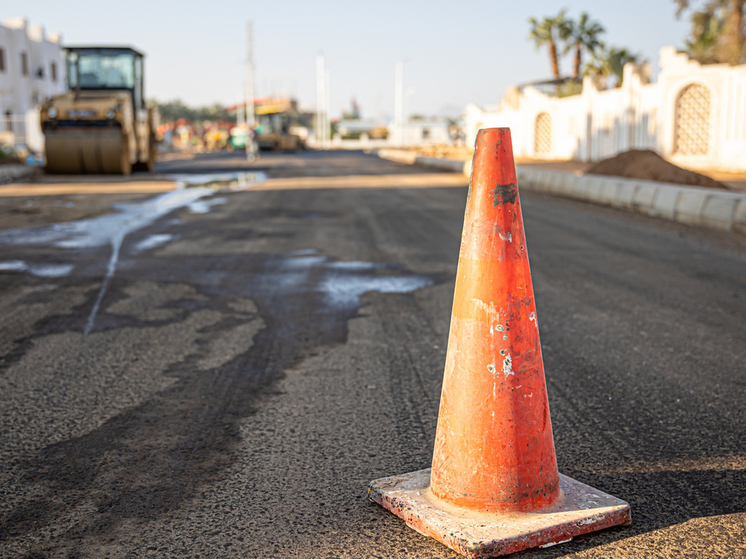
x=579, y=510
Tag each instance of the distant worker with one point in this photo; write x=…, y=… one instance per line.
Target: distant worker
x=252, y=147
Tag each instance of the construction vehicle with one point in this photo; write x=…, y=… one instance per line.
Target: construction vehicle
x=101, y=124
x=276, y=120
x=277, y=125
x=218, y=139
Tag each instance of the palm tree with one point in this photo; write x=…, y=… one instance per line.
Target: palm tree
x=618, y=58
x=580, y=35
x=607, y=61
x=731, y=41
x=706, y=29
x=543, y=33
x=599, y=65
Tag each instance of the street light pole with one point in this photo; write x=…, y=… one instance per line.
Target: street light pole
x=399, y=102
x=322, y=102
x=250, y=76
x=327, y=108
x=240, y=112
x=250, y=151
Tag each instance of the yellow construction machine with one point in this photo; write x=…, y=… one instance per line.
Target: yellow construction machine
x=101, y=124
x=276, y=121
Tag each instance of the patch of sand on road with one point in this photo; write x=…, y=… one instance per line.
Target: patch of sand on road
x=59, y=189
x=27, y=205
x=717, y=463
x=709, y=536
x=423, y=180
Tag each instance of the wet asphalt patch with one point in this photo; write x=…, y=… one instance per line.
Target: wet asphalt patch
x=145, y=460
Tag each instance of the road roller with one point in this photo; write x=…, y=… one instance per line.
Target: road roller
x=102, y=123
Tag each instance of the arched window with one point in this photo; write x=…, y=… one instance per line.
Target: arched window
x=543, y=134
x=692, y=133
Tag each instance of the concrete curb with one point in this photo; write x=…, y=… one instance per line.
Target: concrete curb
x=9, y=173
x=411, y=158
x=705, y=207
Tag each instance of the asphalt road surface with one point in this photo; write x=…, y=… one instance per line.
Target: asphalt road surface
x=221, y=374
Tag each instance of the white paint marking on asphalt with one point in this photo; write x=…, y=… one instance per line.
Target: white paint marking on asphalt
x=203, y=206
x=153, y=241
x=116, y=244
x=13, y=266
x=231, y=181
x=105, y=229
x=39, y=270
x=345, y=291
x=342, y=283
x=303, y=262
x=304, y=252
x=352, y=266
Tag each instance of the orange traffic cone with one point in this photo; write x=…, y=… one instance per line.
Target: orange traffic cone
x=494, y=487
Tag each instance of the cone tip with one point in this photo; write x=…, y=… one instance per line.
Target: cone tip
x=499, y=130
x=493, y=136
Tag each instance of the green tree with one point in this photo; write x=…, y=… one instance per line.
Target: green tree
x=580, y=35
x=546, y=32
x=608, y=61
x=599, y=65
x=701, y=43
x=213, y=112
x=618, y=58
x=730, y=38
x=176, y=109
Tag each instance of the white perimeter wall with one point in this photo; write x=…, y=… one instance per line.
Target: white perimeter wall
x=689, y=100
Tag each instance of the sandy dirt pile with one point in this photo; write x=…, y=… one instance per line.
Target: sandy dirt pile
x=648, y=165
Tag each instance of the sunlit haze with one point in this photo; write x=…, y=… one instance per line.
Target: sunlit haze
x=453, y=53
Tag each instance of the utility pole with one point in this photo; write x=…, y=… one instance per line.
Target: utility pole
x=407, y=105
x=250, y=76
x=240, y=112
x=319, y=96
x=327, y=108
x=251, y=151
x=322, y=102
x=399, y=102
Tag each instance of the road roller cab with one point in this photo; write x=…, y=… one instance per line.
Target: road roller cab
x=101, y=124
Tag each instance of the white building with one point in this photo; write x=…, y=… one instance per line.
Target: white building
x=426, y=132
x=32, y=68
x=694, y=116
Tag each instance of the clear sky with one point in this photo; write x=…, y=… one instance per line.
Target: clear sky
x=454, y=53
